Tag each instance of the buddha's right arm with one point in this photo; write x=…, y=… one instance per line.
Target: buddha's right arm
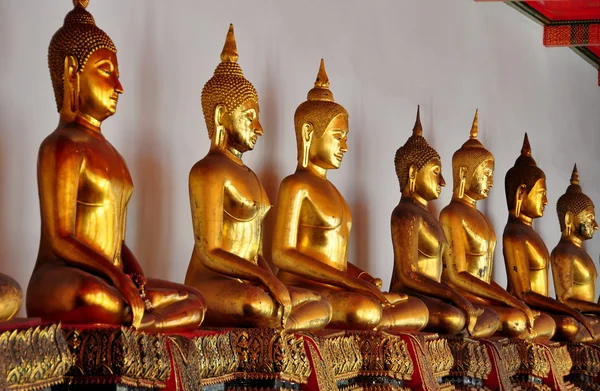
x=58, y=179
x=206, y=202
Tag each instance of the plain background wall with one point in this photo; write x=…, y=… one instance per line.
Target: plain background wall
x=383, y=58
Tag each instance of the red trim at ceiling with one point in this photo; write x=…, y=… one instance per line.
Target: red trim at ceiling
x=572, y=34
x=567, y=9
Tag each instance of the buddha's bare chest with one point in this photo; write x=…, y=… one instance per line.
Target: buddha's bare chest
x=325, y=208
x=431, y=236
x=479, y=234
x=584, y=270
x=104, y=178
x=244, y=198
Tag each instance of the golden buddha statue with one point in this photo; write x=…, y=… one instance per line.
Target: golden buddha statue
x=573, y=270
x=11, y=297
x=525, y=254
x=228, y=206
x=313, y=224
x=419, y=242
x=85, y=273
x=468, y=258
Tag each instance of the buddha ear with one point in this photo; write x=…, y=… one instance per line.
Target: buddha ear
x=220, y=112
x=412, y=178
x=462, y=175
x=519, y=197
x=307, y=135
x=569, y=220
x=71, y=84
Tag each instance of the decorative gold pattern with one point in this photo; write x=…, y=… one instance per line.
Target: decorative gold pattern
x=218, y=358
x=117, y=355
x=471, y=360
x=326, y=380
x=586, y=365
x=33, y=358
x=384, y=355
x=343, y=355
x=188, y=363
x=270, y=354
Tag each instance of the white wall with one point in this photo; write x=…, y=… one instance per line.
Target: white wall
x=383, y=57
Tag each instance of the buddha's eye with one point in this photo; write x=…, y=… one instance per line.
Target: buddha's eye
x=105, y=71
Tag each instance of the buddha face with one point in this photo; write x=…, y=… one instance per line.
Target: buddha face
x=99, y=85
x=243, y=126
x=585, y=223
x=534, y=203
x=328, y=150
x=482, y=180
x=429, y=180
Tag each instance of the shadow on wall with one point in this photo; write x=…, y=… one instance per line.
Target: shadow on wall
x=152, y=244
x=268, y=174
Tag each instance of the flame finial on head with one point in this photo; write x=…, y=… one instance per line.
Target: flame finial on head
x=321, y=89
x=81, y=3
x=230, y=53
x=418, y=129
x=575, y=176
x=475, y=126
x=526, y=149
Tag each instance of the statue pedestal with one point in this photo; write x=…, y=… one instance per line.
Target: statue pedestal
x=585, y=371
x=543, y=366
x=32, y=356
x=472, y=364
x=115, y=358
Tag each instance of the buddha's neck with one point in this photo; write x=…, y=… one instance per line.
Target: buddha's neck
x=521, y=218
x=415, y=198
x=316, y=170
x=232, y=153
x=571, y=239
x=88, y=122
x=465, y=199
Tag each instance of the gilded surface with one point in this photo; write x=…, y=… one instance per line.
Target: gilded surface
x=326, y=380
x=468, y=258
x=84, y=272
x=419, y=242
x=11, y=297
x=219, y=360
x=228, y=205
x=188, y=363
x=313, y=223
x=33, y=358
x=117, y=356
x=343, y=354
x=573, y=269
x=471, y=358
x=384, y=355
x=526, y=256
x=270, y=354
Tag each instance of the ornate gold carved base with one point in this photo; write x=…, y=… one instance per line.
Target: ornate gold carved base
x=585, y=370
x=432, y=359
x=117, y=356
x=543, y=367
x=251, y=359
x=472, y=364
x=32, y=357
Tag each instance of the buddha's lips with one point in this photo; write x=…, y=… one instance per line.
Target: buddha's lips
x=339, y=156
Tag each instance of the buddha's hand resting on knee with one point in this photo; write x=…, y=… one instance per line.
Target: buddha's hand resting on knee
x=131, y=294
x=281, y=295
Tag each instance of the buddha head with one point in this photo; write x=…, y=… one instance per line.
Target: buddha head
x=418, y=166
x=83, y=66
x=575, y=210
x=321, y=126
x=473, y=167
x=525, y=185
x=230, y=103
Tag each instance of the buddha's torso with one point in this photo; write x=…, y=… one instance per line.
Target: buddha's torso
x=324, y=224
x=583, y=271
x=479, y=239
x=245, y=204
x=535, y=252
x=430, y=239
x=104, y=188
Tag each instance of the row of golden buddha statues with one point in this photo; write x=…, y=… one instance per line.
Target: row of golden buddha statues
x=442, y=277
